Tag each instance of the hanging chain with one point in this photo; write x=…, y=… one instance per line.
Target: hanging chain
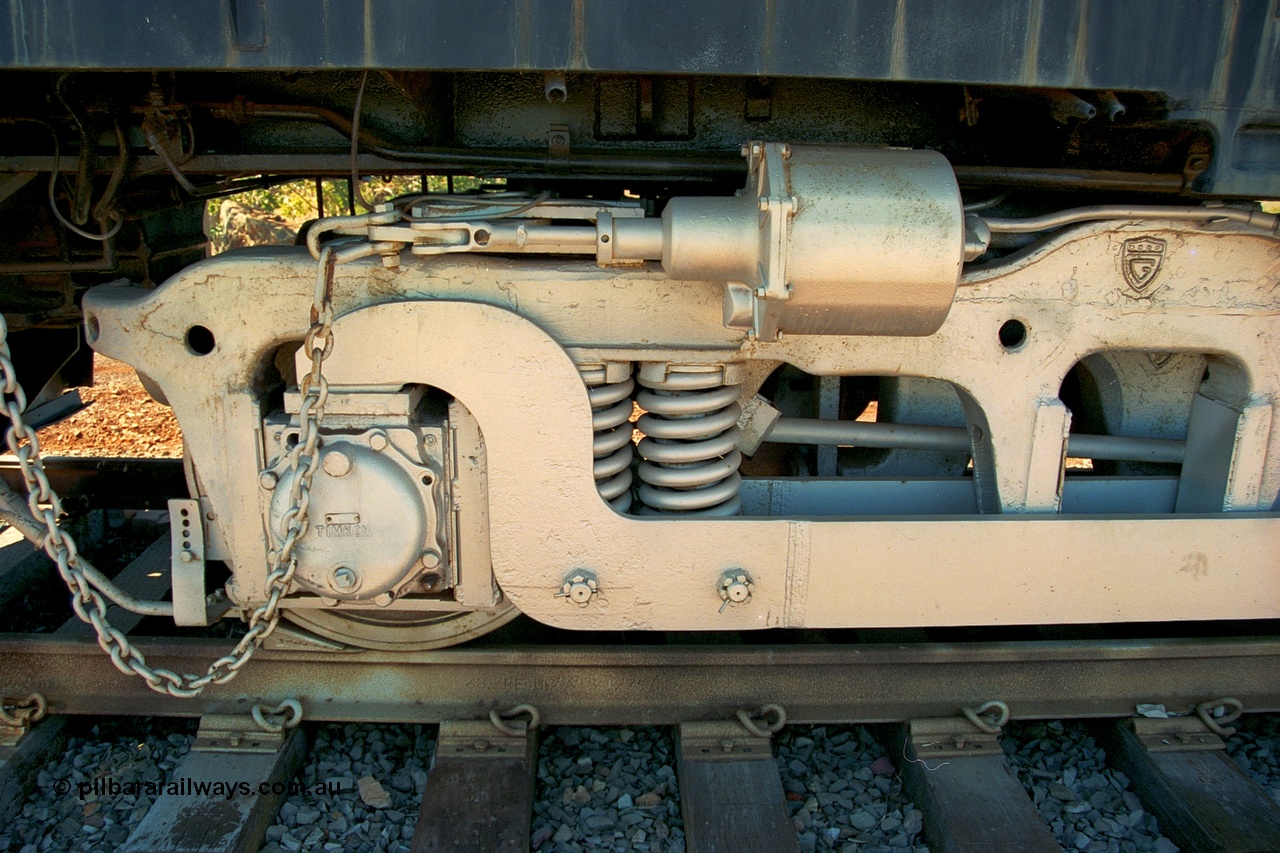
x=282, y=561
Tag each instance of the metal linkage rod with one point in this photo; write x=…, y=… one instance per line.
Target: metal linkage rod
x=1253, y=218
x=956, y=439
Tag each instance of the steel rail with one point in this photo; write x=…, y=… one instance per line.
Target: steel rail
x=598, y=685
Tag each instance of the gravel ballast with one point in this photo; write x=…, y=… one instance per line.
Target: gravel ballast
x=843, y=792
x=601, y=789
x=1255, y=748
x=57, y=817
x=607, y=789
x=378, y=773
x=1088, y=806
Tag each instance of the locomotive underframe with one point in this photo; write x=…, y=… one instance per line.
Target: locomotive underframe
x=507, y=339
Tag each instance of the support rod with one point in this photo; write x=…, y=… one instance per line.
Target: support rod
x=956, y=439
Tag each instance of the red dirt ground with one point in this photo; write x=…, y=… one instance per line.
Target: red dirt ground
x=120, y=419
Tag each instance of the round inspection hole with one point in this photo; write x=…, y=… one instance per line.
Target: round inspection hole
x=481, y=237
x=427, y=479
x=91, y=328
x=1013, y=334
x=200, y=340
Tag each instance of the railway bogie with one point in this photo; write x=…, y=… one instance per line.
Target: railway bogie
x=710, y=348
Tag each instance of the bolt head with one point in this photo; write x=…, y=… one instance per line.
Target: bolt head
x=383, y=599
x=268, y=480
x=345, y=578
x=186, y=556
x=734, y=587
x=378, y=441
x=430, y=558
x=336, y=463
x=580, y=587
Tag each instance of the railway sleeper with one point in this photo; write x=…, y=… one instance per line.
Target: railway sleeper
x=477, y=794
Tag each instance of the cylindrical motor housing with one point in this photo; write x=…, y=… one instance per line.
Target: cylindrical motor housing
x=872, y=239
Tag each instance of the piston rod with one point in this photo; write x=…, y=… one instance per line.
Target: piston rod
x=956, y=439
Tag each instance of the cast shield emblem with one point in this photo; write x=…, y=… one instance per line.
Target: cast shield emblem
x=1140, y=260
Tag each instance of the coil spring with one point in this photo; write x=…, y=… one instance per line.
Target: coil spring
x=690, y=445
x=612, y=447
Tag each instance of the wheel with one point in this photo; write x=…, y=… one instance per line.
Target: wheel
x=401, y=631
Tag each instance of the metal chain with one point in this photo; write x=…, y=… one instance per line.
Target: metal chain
x=766, y=727
x=499, y=720
x=1232, y=709
x=289, y=711
x=25, y=711
x=281, y=559
x=998, y=719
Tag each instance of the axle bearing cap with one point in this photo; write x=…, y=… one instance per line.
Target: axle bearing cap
x=367, y=516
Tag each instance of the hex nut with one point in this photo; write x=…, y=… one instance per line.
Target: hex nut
x=345, y=579
x=580, y=587
x=734, y=587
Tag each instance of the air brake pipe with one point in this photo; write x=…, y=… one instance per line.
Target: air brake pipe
x=15, y=512
x=956, y=439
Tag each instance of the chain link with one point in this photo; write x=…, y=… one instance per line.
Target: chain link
x=25, y=711
x=765, y=727
x=499, y=717
x=1232, y=709
x=288, y=712
x=995, y=709
x=282, y=561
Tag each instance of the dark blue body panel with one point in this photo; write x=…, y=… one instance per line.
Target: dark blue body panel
x=1218, y=63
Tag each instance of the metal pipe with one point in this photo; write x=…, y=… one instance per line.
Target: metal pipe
x=15, y=512
x=1030, y=225
x=107, y=263
x=1033, y=178
x=1126, y=449
x=956, y=439
x=868, y=434
x=1111, y=104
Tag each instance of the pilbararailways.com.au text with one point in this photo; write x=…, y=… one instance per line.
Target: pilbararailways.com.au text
x=184, y=787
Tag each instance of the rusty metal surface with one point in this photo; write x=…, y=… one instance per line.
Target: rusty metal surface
x=598, y=685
